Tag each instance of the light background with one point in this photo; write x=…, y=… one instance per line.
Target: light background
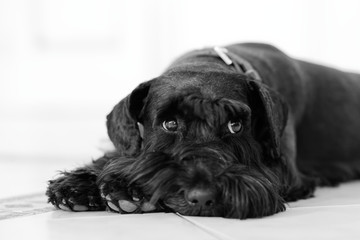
x=65, y=63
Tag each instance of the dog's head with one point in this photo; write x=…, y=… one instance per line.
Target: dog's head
x=203, y=143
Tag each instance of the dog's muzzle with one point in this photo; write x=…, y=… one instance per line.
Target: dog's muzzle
x=198, y=191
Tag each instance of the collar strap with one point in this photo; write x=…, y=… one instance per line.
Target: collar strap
x=238, y=62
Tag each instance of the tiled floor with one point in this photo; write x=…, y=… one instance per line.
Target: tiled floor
x=333, y=214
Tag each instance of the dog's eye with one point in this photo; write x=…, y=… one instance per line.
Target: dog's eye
x=170, y=125
x=234, y=126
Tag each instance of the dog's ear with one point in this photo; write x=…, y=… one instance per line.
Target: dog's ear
x=124, y=128
x=269, y=117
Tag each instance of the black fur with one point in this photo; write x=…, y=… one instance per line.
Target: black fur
x=285, y=148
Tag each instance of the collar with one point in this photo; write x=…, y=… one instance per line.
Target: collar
x=229, y=58
x=237, y=62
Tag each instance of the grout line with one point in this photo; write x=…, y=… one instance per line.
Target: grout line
x=216, y=234
x=27, y=213
x=24, y=205
x=326, y=206
x=20, y=197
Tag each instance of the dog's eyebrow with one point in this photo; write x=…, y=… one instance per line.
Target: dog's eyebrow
x=212, y=111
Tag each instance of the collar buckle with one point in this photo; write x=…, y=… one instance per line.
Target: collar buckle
x=222, y=53
x=239, y=63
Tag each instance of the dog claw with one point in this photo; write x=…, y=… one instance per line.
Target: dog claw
x=127, y=206
x=107, y=197
x=63, y=207
x=135, y=196
x=113, y=206
x=136, y=199
x=91, y=204
x=80, y=208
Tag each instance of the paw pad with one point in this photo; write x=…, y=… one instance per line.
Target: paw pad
x=128, y=206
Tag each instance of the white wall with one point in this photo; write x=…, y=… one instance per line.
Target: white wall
x=64, y=64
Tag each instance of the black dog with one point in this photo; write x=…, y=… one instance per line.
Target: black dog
x=233, y=132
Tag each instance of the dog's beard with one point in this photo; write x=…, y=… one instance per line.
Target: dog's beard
x=245, y=186
x=243, y=194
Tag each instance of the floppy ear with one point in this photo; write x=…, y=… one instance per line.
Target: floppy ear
x=123, y=125
x=270, y=117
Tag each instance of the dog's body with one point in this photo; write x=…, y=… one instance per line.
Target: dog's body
x=230, y=132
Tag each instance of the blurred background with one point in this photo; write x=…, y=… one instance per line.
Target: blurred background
x=65, y=63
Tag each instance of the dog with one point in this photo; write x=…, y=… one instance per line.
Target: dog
x=234, y=132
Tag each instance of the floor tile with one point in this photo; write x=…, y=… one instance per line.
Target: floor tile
x=334, y=213
x=101, y=225
x=318, y=223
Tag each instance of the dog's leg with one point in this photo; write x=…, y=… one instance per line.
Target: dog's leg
x=296, y=185
x=77, y=190
x=331, y=174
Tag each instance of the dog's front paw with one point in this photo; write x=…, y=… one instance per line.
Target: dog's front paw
x=121, y=198
x=75, y=191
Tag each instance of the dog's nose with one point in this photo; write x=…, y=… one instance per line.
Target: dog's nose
x=201, y=197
